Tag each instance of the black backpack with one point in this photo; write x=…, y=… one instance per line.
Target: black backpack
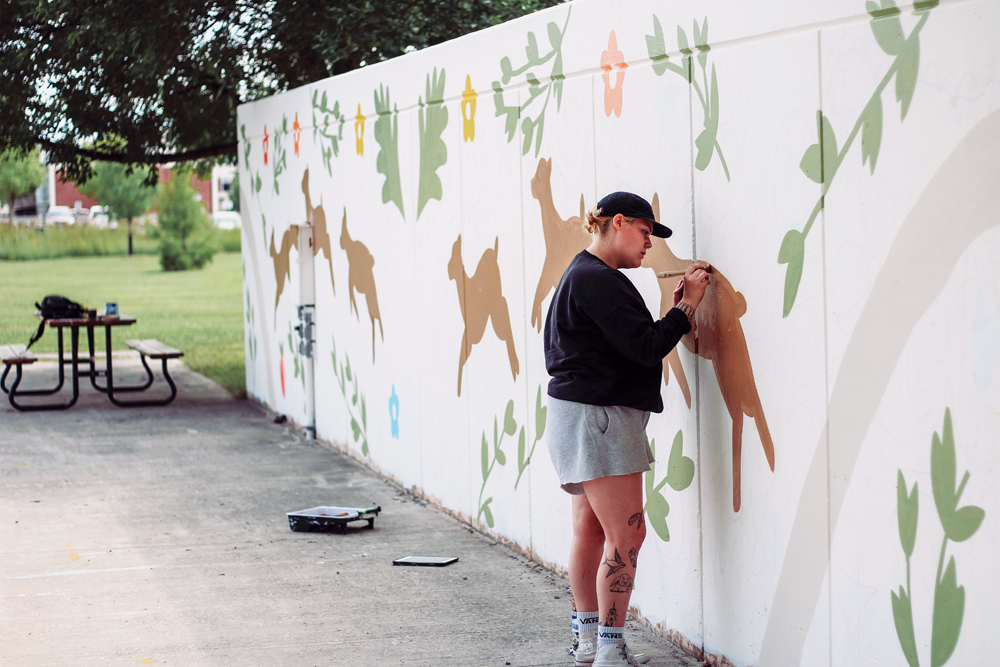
x=54, y=307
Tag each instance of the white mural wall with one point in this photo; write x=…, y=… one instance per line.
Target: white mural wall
x=824, y=492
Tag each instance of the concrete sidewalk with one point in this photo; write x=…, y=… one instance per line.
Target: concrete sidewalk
x=159, y=536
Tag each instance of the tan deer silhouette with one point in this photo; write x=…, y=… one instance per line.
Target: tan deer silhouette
x=282, y=271
x=321, y=237
x=360, y=278
x=720, y=339
x=563, y=239
x=481, y=299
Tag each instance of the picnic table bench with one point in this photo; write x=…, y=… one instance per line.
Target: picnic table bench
x=17, y=356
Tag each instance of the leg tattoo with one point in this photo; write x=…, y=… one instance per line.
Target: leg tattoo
x=637, y=520
x=614, y=567
x=622, y=584
x=633, y=556
x=611, y=618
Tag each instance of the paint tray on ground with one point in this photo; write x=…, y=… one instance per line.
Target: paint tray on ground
x=326, y=519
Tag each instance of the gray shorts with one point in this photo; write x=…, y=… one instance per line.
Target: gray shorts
x=591, y=441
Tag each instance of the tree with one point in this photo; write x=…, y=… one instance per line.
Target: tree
x=187, y=238
x=234, y=192
x=20, y=173
x=123, y=191
x=145, y=83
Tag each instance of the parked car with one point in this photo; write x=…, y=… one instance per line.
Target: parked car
x=98, y=216
x=60, y=215
x=227, y=220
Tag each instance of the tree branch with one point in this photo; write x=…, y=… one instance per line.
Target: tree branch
x=157, y=158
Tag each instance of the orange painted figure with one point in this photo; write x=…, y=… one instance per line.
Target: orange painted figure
x=265, y=144
x=296, y=133
x=360, y=278
x=359, y=132
x=468, y=111
x=609, y=60
x=563, y=238
x=481, y=299
x=720, y=339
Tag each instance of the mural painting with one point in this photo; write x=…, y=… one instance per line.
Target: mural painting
x=433, y=119
x=822, y=160
x=360, y=278
x=316, y=217
x=564, y=239
x=281, y=258
x=904, y=287
x=959, y=524
x=481, y=299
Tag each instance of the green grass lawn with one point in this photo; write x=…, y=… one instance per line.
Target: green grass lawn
x=199, y=312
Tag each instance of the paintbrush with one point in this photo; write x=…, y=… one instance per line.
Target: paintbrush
x=674, y=274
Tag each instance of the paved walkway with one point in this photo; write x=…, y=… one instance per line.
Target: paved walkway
x=159, y=536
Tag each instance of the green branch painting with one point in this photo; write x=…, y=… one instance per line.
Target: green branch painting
x=433, y=119
x=680, y=473
x=541, y=414
x=280, y=161
x=300, y=369
x=488, y=462
x=255, y=181
x=387, y=135
x=356, y=407
x=707, y=142
x=532, y=115
x=959, y=524
x=823, y=159
x=333, y=132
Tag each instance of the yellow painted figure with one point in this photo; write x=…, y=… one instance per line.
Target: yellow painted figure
x=359, y=132
x=469, y=119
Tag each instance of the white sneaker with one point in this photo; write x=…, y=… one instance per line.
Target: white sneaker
x=615, y=655
x=586, y=650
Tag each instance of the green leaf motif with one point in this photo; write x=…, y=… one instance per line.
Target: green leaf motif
x=682, y=42
x=656, y=48
x=501, y=457
x=522, y=463
x=657, y=508
x=356, y=428
x=886, y=26
x=907, y=506
x=509, y=424
x=949, y=608
x=943, y=471
x=871, y=132
x=680, y=468
x=432, y=120
x=541, y=414
x=386, y=133
x=902, y=616
x=485, y=458
x=486, y=511
x=908, y=66
x=812, y=163
x=792, y=253
x=964, y=523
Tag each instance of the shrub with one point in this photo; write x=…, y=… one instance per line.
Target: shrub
x=187, y=238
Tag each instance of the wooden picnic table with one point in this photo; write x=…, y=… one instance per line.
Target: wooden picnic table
x=17, y=356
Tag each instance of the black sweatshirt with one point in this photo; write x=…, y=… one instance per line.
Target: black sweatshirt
x=602, y=347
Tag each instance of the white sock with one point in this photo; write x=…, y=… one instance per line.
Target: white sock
x=587, y=621
x=609, y=635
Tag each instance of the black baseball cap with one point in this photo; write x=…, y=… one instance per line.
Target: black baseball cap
x=631, y=206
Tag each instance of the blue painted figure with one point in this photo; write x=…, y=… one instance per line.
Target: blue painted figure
x=394, y=412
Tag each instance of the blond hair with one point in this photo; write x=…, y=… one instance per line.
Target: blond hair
x=599, y=223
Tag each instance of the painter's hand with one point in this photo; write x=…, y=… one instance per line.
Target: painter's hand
x=694, y=282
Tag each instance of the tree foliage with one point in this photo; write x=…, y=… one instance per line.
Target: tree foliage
x=20, y=173
x=187, y=238
x=124, y=192
x=143, y=82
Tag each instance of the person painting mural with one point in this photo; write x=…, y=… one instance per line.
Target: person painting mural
x=604, y=353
